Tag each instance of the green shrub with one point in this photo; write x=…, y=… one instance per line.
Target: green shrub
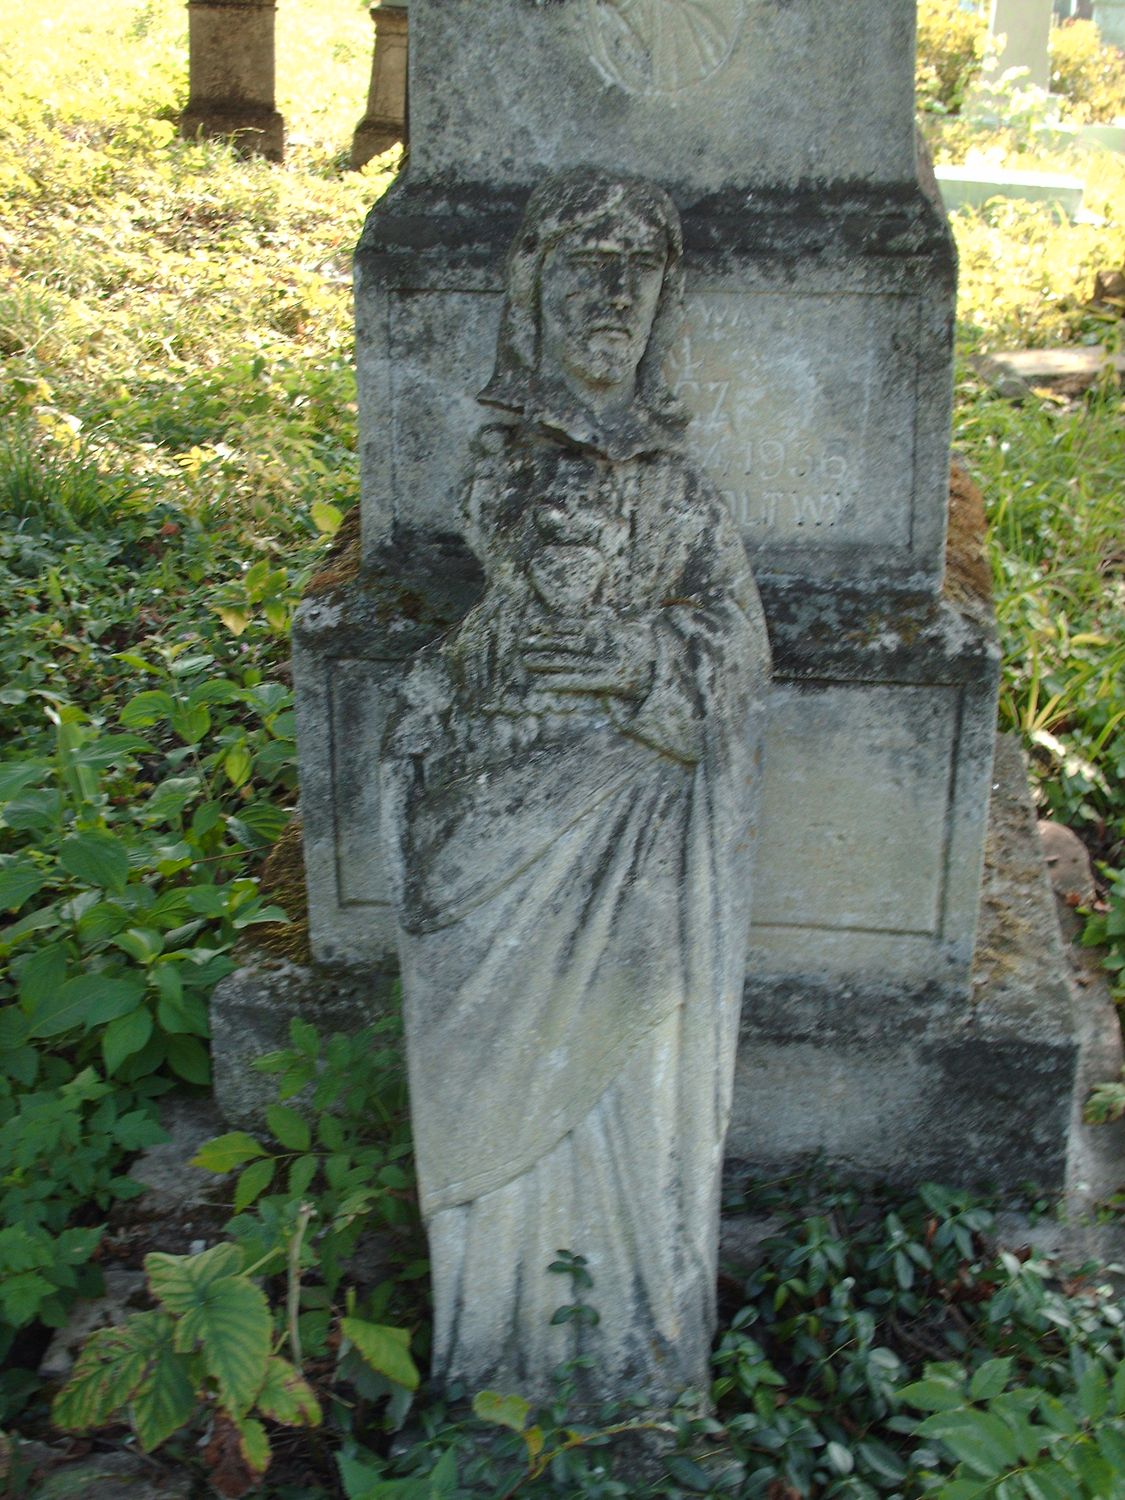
x=1090, y=73
x=951, y=44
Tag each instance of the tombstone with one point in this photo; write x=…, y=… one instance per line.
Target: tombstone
x=1026, y=27
x=385, y=123
x=231, y=83
x=1109, y=17
x=814, y=363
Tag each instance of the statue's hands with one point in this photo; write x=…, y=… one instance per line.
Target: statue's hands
x=600, y=654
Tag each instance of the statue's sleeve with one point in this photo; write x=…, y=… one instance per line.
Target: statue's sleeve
x=712, y=648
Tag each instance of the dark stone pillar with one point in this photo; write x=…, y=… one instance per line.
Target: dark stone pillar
x=387, y=120
x=232, y=75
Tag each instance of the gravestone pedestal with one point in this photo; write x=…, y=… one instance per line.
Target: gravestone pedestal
x=232, y=72
x=385, y=123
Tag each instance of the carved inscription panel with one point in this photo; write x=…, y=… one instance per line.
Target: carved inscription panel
x=663, y=46
x=804, y=411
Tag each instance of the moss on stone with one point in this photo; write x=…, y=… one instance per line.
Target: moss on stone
x=968, y=574
x=283, y=881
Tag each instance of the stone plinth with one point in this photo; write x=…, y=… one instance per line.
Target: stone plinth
x=385, y=123
x=232, y=75
x=877, y=764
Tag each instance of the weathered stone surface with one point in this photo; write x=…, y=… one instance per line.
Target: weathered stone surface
x=877, y=706
x=1068, y=863
x=1017, y=372
x=905, y=1083
x=108, y=1476
x=385, y=122
x=175, y=1189
x=124, y=1292
x=816, y=354
x=569, y=784
x=232, y=75
x=250, y=1014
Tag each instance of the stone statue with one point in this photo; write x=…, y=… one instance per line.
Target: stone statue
x=569, y=784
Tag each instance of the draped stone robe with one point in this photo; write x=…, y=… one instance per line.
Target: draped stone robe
x=573, y=884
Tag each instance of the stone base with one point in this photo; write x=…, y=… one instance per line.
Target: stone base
x=250, y=1015
x=254, y=132
x=901, y=1084
x=882, y=1082
x=372, y=138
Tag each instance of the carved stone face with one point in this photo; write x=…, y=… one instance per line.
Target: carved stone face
x=600, y=291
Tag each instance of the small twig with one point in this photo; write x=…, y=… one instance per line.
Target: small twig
x=305, y=1214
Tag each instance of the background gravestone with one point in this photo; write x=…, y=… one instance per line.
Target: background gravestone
x=816, y=359
x=385, y=122
x=232, y=75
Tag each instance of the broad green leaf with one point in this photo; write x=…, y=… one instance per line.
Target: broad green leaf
x=253, y=1183
x=1093, y=1392
x=143, y=944
x=178, y=1281
x=386, y=1350
x=165, y=1400
x=42, y=975
x=238, y=764
x=191, y=724
x=288, y=1127
x=685, y=1471
x=100, y=995
x=981, y=1441
x=147, y=708
x=325, y=517
x=254, y=1446
x=183, y=1015
x=111, y=1366
x=301, y=1173
x=13, y=1029
x=1119, y=1389
x=230, y=1321
x=18, y=883
x=840, y=1458
x=502, y=1411
x=287, y=1396
x=990, y=1379
x=934, y=1393
x=96, y=858
x=22, y=1295
x=113, y=996
x=16, y=776
x=123, y=1037
x=188, y=1058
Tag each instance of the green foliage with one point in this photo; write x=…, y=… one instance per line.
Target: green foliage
x=1106, y=928
x=1090, y=73
x=208, y=1346
x=951, y=43
x=342, y=1159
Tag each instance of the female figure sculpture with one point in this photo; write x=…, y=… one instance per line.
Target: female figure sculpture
x=569, y=785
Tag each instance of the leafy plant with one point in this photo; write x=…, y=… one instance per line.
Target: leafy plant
x=951, y=40
x=1088, y=71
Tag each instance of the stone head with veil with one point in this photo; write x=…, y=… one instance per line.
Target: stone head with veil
x=569, y=789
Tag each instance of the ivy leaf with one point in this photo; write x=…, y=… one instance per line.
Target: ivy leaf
x=288, y=1127
x=123, y=1037
x=96, y=858
x=502, y=1411
x=287, y=1397
x=386, y=1350
x=226, y=1152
